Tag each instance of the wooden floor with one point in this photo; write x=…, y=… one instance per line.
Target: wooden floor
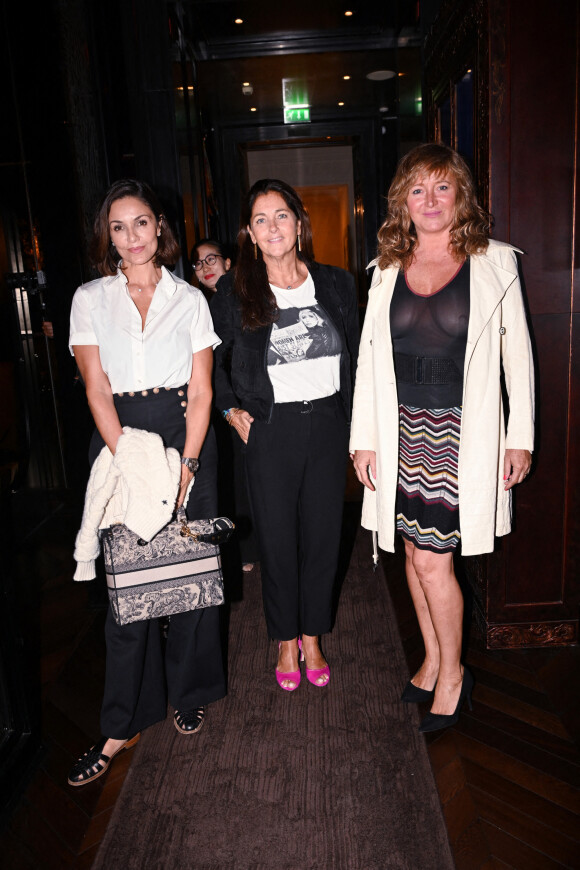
x=508, y=773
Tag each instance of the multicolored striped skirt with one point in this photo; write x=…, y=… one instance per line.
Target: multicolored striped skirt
x=427, y=495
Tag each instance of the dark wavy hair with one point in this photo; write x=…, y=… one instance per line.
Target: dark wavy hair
x=102, y=252
x=251, y=285
x=471, y=226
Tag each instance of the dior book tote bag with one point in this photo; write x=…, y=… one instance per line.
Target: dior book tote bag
x=179, y=569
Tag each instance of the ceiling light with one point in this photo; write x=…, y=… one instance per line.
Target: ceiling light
x=239, y=21
x=346, y=78
x=341, y=104
x=380, y=75
x=245, y=84
x=253, y=109
x=348, y=13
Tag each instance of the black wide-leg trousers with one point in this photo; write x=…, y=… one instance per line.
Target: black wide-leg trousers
x=296, y=470
x=141, y=676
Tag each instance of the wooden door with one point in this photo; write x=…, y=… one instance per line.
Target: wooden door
x=327, y=206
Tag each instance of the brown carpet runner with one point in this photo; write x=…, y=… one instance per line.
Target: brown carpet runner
x=336, y=778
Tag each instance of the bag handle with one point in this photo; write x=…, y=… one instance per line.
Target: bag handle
x=222, y=530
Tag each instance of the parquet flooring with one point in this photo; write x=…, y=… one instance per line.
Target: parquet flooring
x=508, y=773
x=54, y=825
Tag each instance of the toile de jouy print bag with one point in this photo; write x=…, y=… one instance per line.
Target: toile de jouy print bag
x=178, y=570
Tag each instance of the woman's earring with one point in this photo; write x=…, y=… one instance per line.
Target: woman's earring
x=299, y=245
x=255, y=251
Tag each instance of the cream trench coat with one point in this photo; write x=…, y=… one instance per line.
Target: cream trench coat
x=497, y=332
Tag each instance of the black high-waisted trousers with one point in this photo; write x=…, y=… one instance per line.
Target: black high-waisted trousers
x=296, y=469
x=140, y=676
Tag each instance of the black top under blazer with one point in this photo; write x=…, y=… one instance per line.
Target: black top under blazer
x=241, y=373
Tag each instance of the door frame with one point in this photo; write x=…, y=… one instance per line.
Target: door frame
x=363, y=135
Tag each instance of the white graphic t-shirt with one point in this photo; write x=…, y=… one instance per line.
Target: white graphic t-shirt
x=304, y=350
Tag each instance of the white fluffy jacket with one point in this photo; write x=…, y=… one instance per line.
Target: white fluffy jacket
x=137, y=486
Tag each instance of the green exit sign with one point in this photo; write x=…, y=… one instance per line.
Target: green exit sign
x=296, y=115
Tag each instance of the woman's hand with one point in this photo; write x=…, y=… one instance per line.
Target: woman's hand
x=186, y=478
x=516, y=466
x=365, y=461
x=241, y=421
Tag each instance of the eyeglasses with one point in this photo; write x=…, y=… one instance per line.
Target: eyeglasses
x=210, y=260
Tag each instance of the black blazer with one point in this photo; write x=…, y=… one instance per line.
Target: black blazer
x=241, y=374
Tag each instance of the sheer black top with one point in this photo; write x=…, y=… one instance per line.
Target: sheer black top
x=429, y=336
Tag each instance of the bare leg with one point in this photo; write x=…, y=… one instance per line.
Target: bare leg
x=288, y=660
x=426, y=676
x=444, y=601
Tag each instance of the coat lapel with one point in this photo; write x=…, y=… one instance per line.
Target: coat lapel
x=488, y=286
x=387, y=280
x=325, y=293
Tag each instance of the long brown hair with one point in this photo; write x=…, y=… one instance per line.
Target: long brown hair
x=103, y=253
x=251, y=285
x=469, y=233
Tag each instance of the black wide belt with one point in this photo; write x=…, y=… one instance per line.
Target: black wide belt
x=426, y=369
x=307, y=406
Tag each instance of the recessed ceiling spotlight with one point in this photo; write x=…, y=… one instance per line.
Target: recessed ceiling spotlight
x=402, y=74
x=348, y=13
x=380, y=75
x=239, y=21
x=346, y=78
x=253, y=109
x=341, y=104
x=245, y=84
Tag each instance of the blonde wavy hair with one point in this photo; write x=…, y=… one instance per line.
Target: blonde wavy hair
x=469, y=233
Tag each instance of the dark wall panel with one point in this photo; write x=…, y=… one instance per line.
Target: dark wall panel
x=542, y=59
x=534, y=578
x=533, y=563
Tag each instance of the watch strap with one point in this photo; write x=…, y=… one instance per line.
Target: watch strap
x=191, y=462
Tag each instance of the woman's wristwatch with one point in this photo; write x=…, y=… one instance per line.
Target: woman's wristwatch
x=192, y=464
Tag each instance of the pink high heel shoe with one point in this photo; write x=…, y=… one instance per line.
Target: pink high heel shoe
x=314, y=674
x=294, y=676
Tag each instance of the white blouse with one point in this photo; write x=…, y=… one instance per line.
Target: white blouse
x=178, y=325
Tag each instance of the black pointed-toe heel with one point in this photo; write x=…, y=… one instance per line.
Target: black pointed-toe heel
x=412, y=694
x=437, y=721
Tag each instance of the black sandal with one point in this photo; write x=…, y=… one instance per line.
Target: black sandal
x=190, y=721
x=94, y=763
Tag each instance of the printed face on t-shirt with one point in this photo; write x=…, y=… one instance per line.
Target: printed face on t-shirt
x=302, y=334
